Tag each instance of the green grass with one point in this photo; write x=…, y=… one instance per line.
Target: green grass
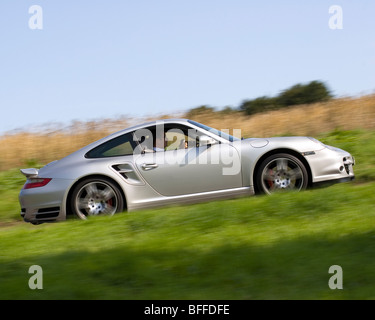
x=11, y=182
x=264, y=247
x=361, y=144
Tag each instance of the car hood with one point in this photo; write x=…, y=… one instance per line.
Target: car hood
x=300, y=144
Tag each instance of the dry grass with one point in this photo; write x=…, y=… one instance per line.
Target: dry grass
x=344, y=113
x=27, y=148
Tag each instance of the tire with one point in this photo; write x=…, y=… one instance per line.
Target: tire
x=96, y=196
x=281, y=172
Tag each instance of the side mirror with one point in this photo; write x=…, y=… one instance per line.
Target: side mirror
x=206, y=141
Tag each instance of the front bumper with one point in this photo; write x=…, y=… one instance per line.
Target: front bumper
x=331, y=164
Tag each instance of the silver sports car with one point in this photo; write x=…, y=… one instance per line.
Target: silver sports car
x=175, y=161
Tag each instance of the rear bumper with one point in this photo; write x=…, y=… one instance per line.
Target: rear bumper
x=45, y=204
x=37, y=216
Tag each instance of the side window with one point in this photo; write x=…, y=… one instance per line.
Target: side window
x=181, y=137
x=176, y=139
x=167, y=137
x=120, y=146
x=145, y=139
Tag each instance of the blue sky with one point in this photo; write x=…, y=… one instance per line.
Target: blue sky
x=102, y=59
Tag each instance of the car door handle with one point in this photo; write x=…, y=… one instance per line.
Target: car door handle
x=149, y=166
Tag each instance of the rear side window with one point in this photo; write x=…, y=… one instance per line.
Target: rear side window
x=117, y=147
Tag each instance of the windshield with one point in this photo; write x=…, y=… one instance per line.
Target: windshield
x=221, y=134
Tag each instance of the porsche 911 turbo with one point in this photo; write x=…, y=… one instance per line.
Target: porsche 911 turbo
x=175, y=161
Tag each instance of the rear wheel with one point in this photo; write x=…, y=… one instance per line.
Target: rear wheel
x=96, y=196
x=281, y=172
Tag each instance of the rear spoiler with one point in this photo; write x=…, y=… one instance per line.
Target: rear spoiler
x=30, y=173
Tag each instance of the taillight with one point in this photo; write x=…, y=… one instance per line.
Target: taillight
x=36, y=183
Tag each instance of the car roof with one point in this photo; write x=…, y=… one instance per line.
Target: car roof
x=96, y=143
x=150, y=123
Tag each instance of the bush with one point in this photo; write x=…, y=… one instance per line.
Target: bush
x=258, y=105
x=227, y=110
x=199, y=110
x=315, y=91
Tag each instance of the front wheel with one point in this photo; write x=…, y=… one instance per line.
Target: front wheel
x=281, y=172
x=96, y=196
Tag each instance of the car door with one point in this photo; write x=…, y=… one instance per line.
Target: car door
x=191, y=170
